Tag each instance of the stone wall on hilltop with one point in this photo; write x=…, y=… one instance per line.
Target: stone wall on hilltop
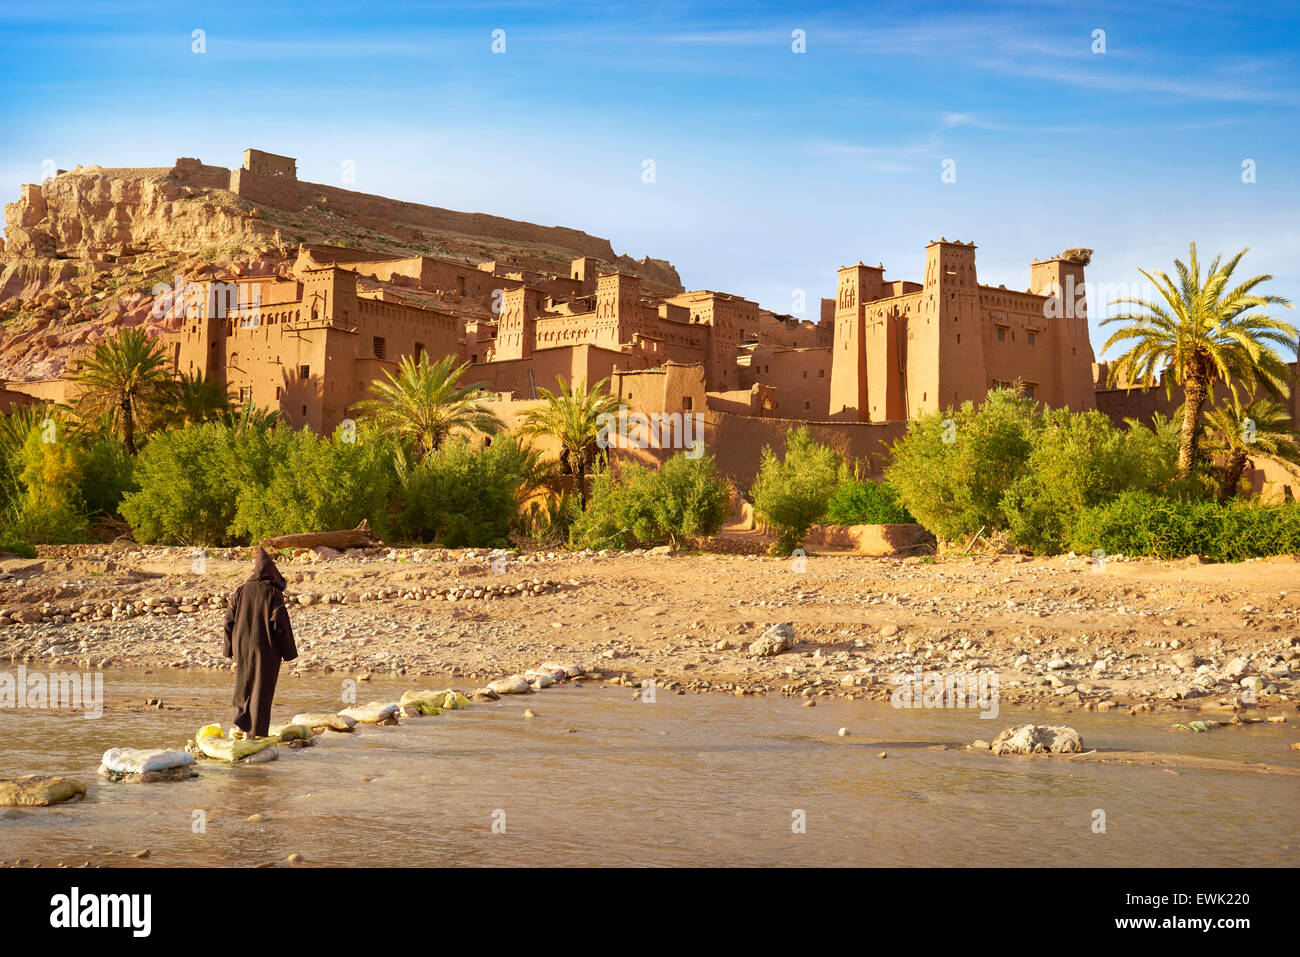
x=571, y=243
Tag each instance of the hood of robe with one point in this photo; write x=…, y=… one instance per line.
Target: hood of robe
x=264, y=570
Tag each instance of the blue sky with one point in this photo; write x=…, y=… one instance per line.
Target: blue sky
x=772, y=168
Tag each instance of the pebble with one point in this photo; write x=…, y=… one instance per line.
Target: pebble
x=254, y=818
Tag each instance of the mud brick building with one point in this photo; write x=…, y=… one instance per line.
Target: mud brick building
x=904, y=349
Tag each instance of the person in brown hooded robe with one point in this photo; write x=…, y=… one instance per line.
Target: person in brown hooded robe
x=258, y=637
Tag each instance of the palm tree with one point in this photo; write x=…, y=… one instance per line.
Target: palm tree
x=1242, y=430
x=1164, y=429
x=249, y=416
x=1163, y=433
x=193, y=399
x=426, y=402
x=123, y=378
x=1204, y=332
x=572, y=417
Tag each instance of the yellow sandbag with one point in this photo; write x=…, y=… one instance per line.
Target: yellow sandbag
x=231, y=749
x=38, y=790
x=417, y=697
x=423, y=706
x=434, y=702
x=289, y=731
x=208, y=731
x=454, y=700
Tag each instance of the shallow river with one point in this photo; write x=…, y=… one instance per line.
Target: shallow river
x=693, y=779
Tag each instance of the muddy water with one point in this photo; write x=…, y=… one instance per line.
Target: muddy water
x=598, y=778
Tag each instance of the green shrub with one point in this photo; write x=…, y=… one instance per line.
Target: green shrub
x=108, y=474
x=15, y=547
x=313, y=484
x=52, y=478
x=1140, y=523
x=687, y=498
x=217, y=484
x=49, y=508
x=619, y=512
x=465, y=495
x=642, y=506
x=951, y=469
x=864, y=502
x=186, y=492
x=549, y=522
x=1078, y=461
x=791, y=493
x=15, y=429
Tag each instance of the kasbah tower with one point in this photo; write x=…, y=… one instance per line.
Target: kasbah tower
x=904, y=349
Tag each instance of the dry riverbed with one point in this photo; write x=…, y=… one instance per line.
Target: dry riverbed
x=1060, y=633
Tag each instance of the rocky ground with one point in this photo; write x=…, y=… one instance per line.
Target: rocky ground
x=1060, y=632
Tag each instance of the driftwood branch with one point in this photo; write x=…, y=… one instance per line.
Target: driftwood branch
x=974, y=540
x=359, y=537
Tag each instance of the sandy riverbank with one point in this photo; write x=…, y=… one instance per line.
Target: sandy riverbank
x=1058, y=632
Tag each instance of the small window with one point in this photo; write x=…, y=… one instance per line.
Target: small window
x=419, y=351
x=1032, y=338
x=304, y=410
x=279, y=392
x=806, y=405
x=1029, y=391
x=1002, y=335
x=304, y=372
x=379, y=345
x=805, y=373
x=959, y=338
x=245, y=394
x=686, y=402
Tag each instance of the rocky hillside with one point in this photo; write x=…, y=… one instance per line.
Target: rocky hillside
x=84, y=250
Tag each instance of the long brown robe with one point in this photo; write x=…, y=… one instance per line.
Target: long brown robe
x=258, y=637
